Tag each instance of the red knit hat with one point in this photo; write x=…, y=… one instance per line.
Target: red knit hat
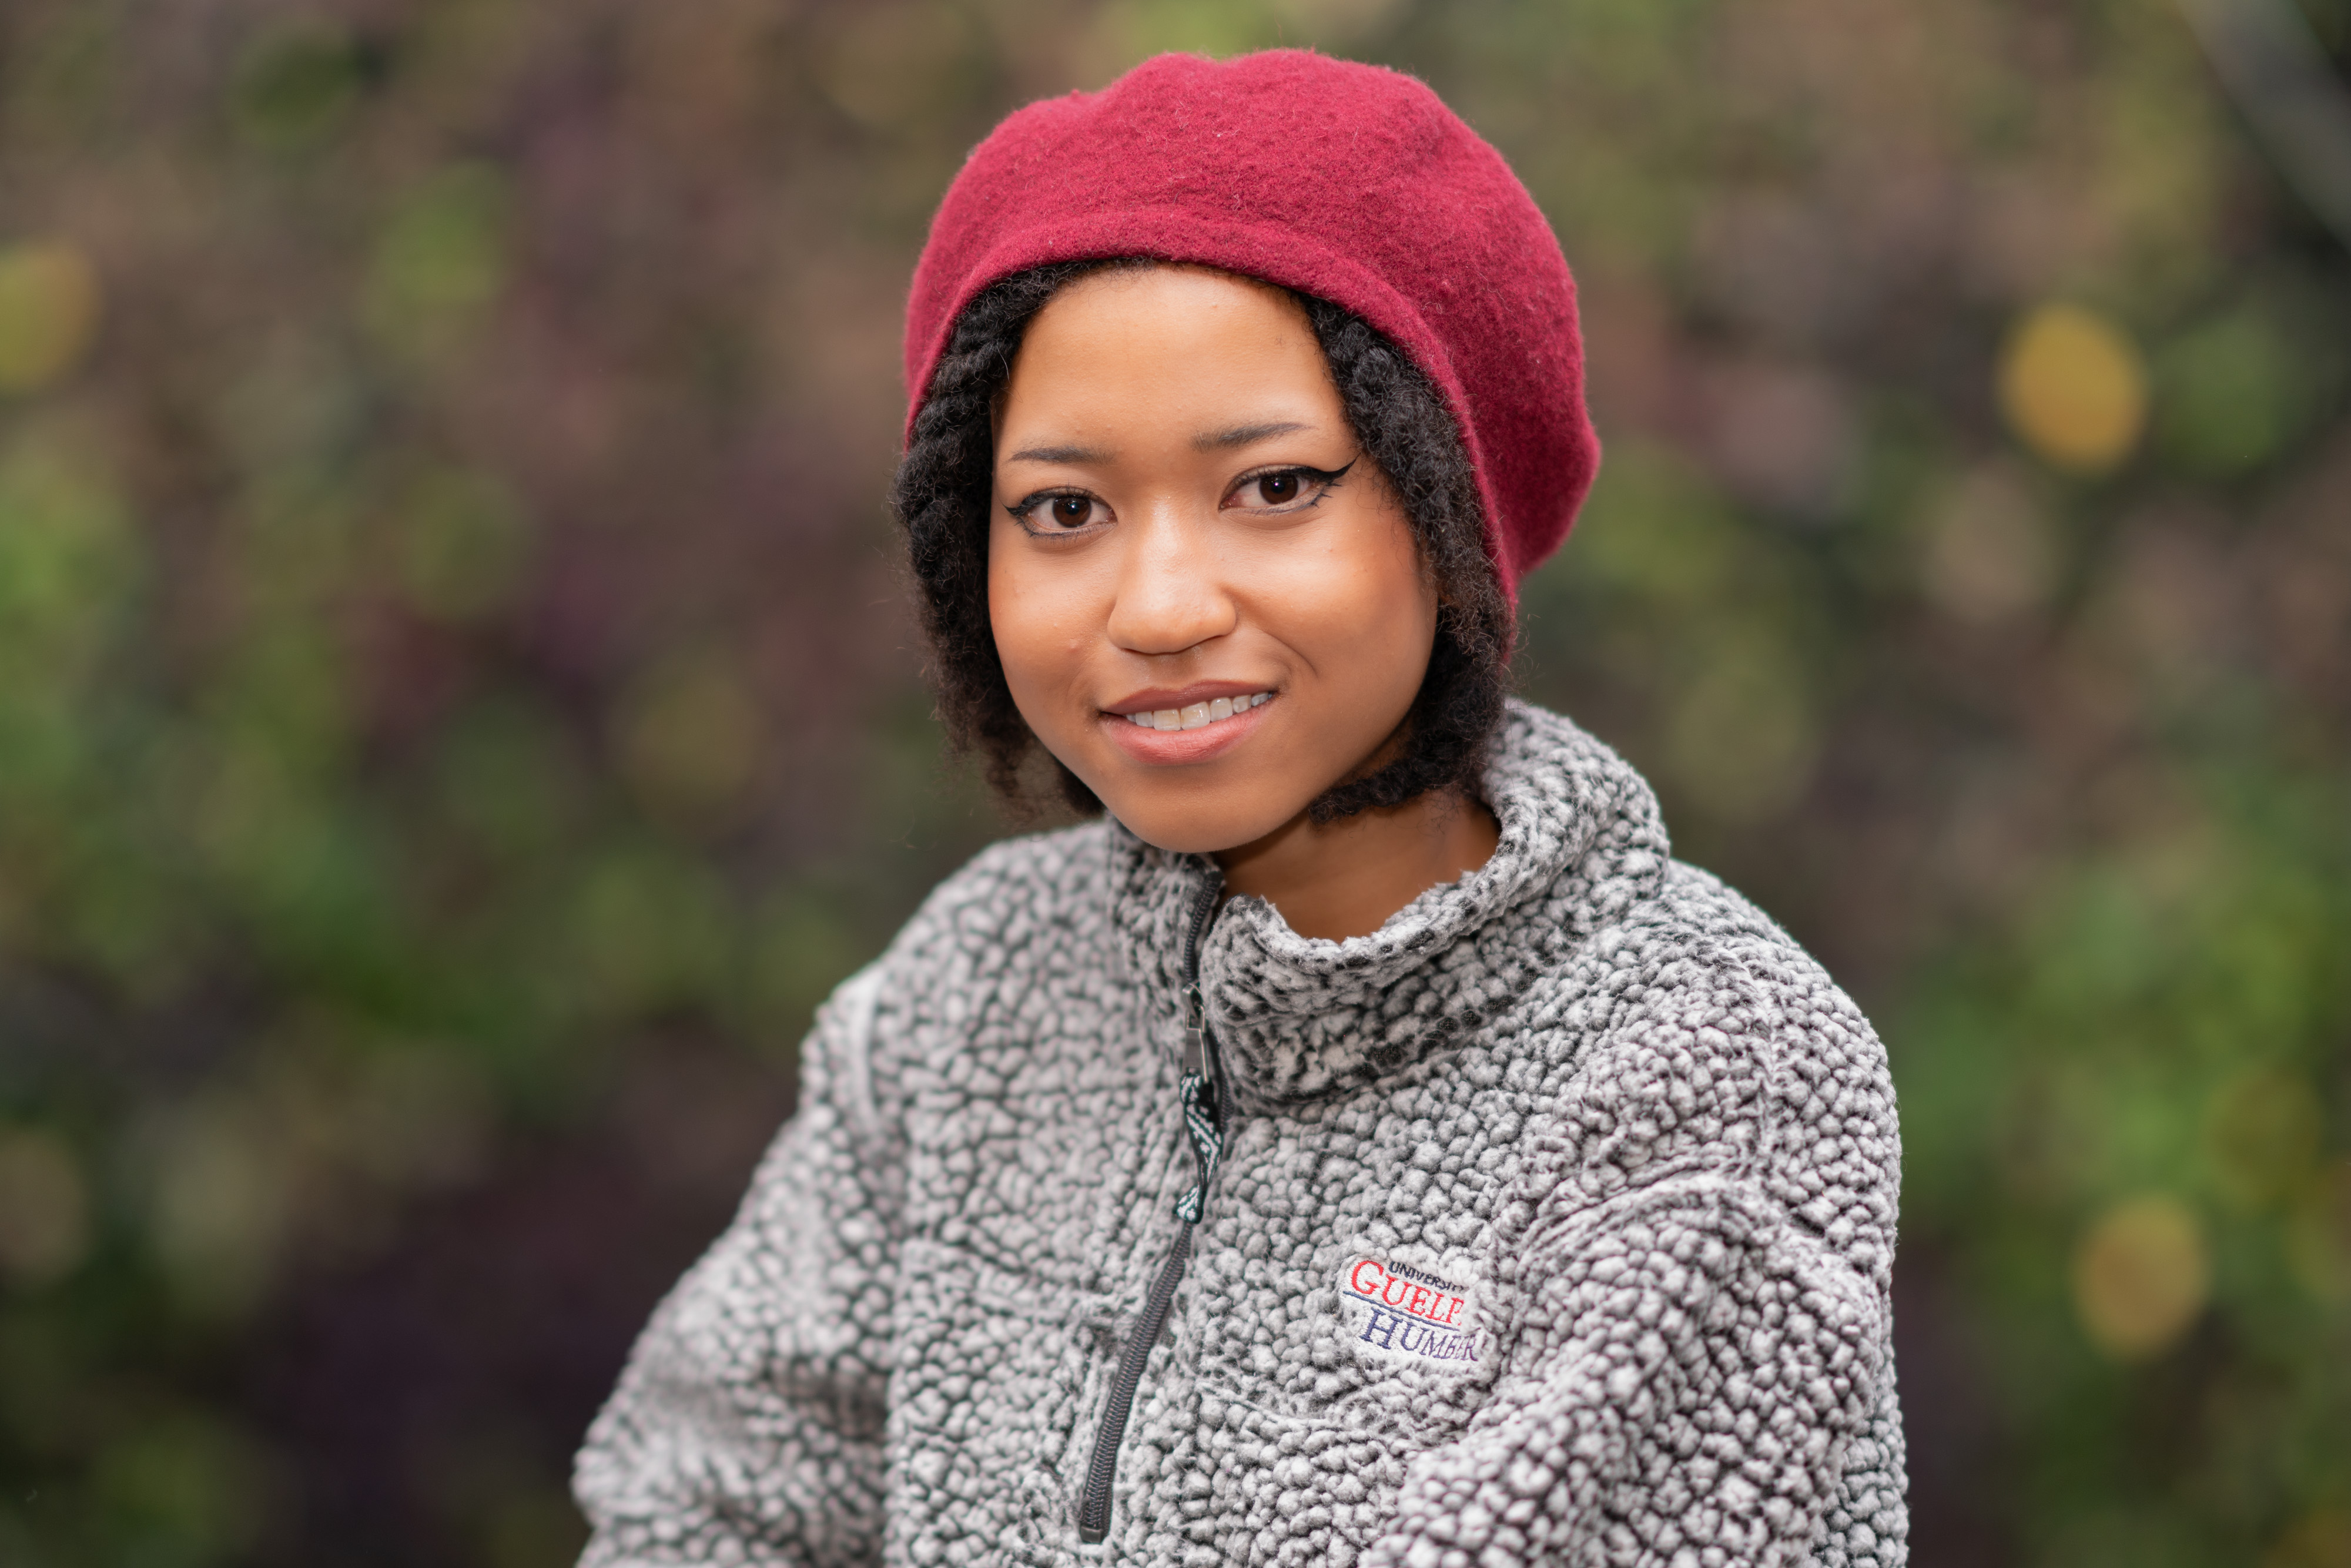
x=1346, y=182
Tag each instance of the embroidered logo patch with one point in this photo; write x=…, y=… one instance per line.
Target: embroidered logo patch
x=1398, y=1310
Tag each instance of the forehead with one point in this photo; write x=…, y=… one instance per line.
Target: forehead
x=1168, y=285
x=1170, y=344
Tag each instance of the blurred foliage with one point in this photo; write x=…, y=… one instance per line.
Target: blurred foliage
x=458, y=712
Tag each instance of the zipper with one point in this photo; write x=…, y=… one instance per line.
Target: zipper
x=1204, y=1122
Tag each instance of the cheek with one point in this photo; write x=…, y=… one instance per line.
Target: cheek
x=1037, y=619
x=1360, y=610
x=1013, y=620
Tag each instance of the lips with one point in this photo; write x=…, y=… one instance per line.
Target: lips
x=1153, y=699
x=1197, y=716
x=1192, y=732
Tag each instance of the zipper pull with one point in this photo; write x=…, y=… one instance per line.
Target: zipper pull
x=1196, y=1032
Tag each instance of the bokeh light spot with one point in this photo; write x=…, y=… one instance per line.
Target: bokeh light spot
x=801, y=949
x=2141, y=1275
x=295, y=85
x=220, y=1200
x=1989, y=554
x=2261, y=1135
x=2320, y=1539
x=2318, y=1235
x=44, y=1207
x=440, y=259
x=68, y=559
x=49, y=300
x=2232, y=395
x=2073, y=389
x=1126, y=31
x=462, y=543
x=508, y=778
x=1743, y=739
x=1336, y=21
x=418, y=1117
x=186, y=1489
x=650, y=929
x=534, y=1528
x=899, y=63
x=691, y=736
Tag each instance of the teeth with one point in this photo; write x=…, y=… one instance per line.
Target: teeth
x=1199, y=714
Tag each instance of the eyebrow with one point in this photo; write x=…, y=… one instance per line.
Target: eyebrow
x=1060, y=455
x=1213, y=441
x=1244, y=436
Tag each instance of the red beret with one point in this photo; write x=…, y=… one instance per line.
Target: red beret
x=1346, y=182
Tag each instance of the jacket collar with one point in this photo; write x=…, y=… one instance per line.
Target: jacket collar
x=1300, y=1019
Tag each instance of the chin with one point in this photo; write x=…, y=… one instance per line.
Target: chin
x=1190, y=827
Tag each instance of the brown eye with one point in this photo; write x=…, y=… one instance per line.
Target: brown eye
x=1072, y=511
x=1278, y=488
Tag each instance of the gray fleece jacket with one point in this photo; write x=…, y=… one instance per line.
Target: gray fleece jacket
x=1553, y=1224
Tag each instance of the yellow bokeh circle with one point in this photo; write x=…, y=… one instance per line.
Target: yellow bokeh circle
x=2141, y=1277
x=2321, y=1539
x=49, y=310
x=2073, y=388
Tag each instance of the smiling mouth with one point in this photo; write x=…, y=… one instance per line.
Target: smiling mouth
x=1198, y=716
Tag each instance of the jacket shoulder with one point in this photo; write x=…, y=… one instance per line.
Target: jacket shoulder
x=1051, y=868
x=990, y=913
x=1727, y=1041
x=1694, y=918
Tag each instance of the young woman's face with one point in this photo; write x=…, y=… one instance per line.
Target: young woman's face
x=1185, y=533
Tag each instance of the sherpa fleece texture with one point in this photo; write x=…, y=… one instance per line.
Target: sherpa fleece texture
x=1555, y=1227
x=1347, y=182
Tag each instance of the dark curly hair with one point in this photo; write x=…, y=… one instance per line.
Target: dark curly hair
x=941, y=495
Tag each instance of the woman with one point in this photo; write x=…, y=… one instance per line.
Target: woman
x=1362, y=1141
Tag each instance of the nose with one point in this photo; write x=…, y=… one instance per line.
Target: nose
x=1171, y=597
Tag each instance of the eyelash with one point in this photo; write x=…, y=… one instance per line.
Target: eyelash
x=1324, y=480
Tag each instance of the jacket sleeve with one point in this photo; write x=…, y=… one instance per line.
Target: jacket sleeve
x=1699, y=1254
x=746, y=1427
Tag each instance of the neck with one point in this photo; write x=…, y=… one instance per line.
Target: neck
x=1344, y=879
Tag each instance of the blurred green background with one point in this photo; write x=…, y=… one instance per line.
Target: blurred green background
x=458, y=710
